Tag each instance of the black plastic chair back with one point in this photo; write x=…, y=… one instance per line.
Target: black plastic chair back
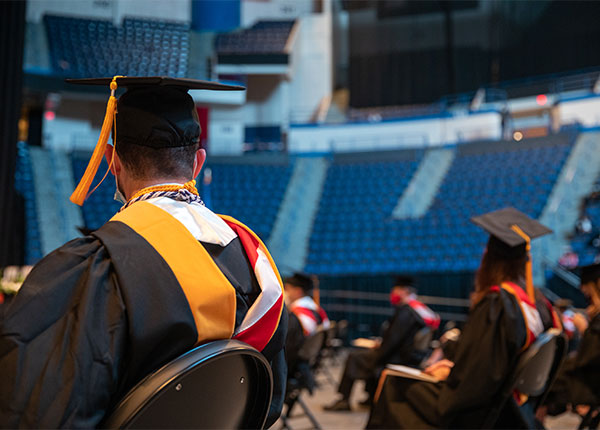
x=532, y=375
x=222, y=384
x=330, y=333
x=422, y=339
x=309, y=352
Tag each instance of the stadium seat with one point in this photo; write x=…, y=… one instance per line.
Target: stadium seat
x=222, y=384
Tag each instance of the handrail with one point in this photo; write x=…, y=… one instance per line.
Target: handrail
x=570, y=278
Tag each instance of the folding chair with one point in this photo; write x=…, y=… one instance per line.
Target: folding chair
x=533, y=376
x=303, y=378
x=222, y=384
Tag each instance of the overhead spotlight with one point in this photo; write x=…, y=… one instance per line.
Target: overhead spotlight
x=517, y=135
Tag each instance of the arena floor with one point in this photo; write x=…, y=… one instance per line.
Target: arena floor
x=357, y=419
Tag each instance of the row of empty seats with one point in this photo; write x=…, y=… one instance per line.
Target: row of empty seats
x=355, y=233
x=252, y=193
x=264, y=37
x=25, y=186
x=90, y=47
x=375, y=114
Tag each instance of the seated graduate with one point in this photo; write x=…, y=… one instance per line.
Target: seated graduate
x=164, y=275
x=503, y=322
x=396, y=347
x=573, y=322
x=578, y=382
x=305, y=317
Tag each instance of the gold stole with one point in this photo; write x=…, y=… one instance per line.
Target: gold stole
x=211, y=297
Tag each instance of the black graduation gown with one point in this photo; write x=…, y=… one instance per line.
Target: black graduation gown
x=397, y=341
x=91, y=321
x=584, y=369
x=578, y=381
x=293, y=343
x=486, y=353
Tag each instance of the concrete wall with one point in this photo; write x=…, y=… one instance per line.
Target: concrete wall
x=177, y=10
x=584, y=111
x=254, y=10
x=431, y=131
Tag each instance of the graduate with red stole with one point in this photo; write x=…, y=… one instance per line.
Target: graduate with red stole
x=503, y=322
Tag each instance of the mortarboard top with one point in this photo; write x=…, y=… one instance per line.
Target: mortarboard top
x=511, y=232
x=154, y=111
x=158, y=81
x=505, y=242
x=589, y=273
x=300, y=280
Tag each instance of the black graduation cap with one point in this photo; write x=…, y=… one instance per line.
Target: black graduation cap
x=589, y=273
x=404, y=281
x=300, y=280
x=154, y=111
x=504, y=225
x=511, y=232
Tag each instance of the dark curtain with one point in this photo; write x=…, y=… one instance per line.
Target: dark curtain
x=12, y=42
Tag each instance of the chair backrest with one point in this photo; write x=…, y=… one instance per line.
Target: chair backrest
x=534, y=373
x=311, y=347
x=422, y=339
x=222, y=384
x=537, y=363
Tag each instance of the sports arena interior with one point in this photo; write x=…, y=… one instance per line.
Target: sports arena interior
x=369, y=134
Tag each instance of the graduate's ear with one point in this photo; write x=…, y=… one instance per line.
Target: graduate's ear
x=199, y=160
x=109, y=153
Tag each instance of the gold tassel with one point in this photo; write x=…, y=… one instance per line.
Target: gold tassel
x=81, y=191
x=528, y=265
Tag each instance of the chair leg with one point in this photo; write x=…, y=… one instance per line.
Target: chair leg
x=286, y=424
x=309, y=414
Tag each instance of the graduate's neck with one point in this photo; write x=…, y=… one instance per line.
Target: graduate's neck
x=130, y=188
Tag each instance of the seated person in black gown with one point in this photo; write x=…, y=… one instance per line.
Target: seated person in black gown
x=396, y=346
x=164, y=275
x=578, y=382
x=497, y=331
x=305, y=315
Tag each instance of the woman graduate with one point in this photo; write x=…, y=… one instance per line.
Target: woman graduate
x=503, y=322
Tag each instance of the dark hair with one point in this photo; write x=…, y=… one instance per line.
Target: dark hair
x=147, y=162
x=494, y=270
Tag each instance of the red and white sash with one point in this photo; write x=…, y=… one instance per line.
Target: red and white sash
x=531, y=316
x=311, y=315
x=431, y=319
x=262, y=319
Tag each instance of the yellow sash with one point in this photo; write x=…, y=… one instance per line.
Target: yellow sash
x=211, y=297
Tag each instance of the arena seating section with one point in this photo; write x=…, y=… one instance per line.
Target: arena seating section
x=375, y=114
x=139, y=47
x=355, y=234
x=100, y=205
x=25, y=186
x=251, y=193
x=354, y=214
x=264, y=37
